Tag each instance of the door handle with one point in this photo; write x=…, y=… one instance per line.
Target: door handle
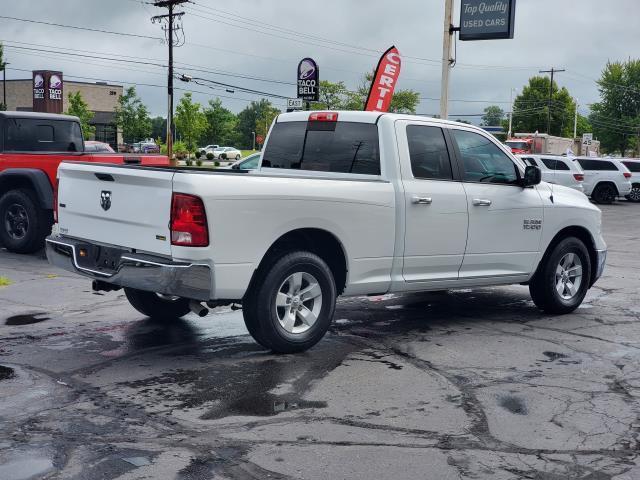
x=481, y=202
x=421, y=200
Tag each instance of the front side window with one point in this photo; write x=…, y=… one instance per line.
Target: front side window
x=350, y=147
x=549, y=163
x=428, y=153
x=482, y=160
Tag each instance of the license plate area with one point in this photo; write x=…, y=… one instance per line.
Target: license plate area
x=99, y=258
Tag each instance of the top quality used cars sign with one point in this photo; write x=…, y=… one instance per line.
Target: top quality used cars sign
x=487, y=19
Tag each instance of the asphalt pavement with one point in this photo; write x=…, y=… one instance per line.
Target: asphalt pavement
x=463, y=384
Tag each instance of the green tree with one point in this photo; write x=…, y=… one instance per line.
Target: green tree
x=264, y=120
x=616, y=117
x=531, y=107
x=159, y=128
x=493, y=116
x=190, y=121
x=132, y=117
x=221, y=125
x=79, y=108
x=247, y=120
x=3, y=65
x=332, y=96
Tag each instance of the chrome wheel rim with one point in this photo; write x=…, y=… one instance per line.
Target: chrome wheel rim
x=635, y=194
x=569, y=276
x=298, y=302
x=16, y=221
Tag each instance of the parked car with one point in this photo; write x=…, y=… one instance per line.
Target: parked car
x=227, y=153
x=148, y=147
x=557, y=169
x=207, y=149
x=344, y=203
x=633, y=164
x=32, y=145
x=605, y=178
x=248, y=163
x=93, y=146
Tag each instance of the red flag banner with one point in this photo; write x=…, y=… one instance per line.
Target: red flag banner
x=384, y=81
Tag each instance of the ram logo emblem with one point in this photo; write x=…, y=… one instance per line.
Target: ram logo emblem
x=105, y=200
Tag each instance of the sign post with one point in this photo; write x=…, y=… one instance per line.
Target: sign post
x=308, y=81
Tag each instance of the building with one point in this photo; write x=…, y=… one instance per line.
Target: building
x=101, y=98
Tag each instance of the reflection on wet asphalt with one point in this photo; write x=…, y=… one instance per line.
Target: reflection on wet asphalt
x=458, y=384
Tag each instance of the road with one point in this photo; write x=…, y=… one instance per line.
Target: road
x=463, y=384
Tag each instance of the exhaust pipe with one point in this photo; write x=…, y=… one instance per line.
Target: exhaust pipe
x=198, y=308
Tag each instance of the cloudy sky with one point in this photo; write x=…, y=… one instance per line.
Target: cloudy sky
x=264, y=40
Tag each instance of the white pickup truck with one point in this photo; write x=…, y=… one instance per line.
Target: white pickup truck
x=343, y=203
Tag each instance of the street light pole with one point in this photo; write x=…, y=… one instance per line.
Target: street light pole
x=4, y=85
x=575, y=122
x=446, y=59
x=254, y=141
x=511, y=111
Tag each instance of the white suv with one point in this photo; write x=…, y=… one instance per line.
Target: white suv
x=633, y=164
x=605, y=178
x=557, y=169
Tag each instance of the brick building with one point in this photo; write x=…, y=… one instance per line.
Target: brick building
x=101, y=98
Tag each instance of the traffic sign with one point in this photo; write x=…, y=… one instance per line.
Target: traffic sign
x=294, y=103
x=587, y=138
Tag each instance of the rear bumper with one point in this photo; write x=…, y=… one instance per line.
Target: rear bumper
x=143, y=272
x=601, y=259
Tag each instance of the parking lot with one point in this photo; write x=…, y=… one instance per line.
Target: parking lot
x=463, y=384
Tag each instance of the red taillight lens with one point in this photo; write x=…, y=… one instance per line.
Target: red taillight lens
x=188, y=221
x=579, y=177
x=626, y=174
x=323, y=117
x=55, y=201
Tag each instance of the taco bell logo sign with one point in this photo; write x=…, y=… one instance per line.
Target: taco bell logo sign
x=55, y=87
x=308, y=80
x=47, y=91
x=38, y=86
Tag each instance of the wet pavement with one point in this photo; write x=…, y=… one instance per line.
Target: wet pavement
x=464, y=384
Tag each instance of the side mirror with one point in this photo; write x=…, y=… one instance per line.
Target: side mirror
x=532, y=176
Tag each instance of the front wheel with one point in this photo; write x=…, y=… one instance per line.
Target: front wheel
x=290, y=306
x=562, y=280
x=23, y=224
x=604, y=194
x=155, y=305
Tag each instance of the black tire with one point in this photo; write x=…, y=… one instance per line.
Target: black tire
x=23, y=224
x=634, y=196
x=237, y=157
x=604, y=193
x=544, y=285
x=261, y=315
x=155, y=306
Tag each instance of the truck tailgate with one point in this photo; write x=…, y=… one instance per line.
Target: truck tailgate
x=124, y=206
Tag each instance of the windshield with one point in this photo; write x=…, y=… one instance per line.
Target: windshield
x=517, y=145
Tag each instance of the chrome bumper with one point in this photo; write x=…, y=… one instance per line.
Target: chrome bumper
x=143, y=272
x=601, y=259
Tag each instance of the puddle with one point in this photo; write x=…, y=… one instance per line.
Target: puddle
x=25, y=468
x=6, y=373
x=262, y=406
x=513, y=404
x=554, y=355
x=26, y=319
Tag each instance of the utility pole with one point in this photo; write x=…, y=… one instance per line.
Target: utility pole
x=171, y=41
x=4, y=85
x=575, y=122
x=511, y=111
x=552, y=71
x=446, y=58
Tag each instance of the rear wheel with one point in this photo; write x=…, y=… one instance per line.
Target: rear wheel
x=155, y=305
x=237, y=157
x=604, y=193
x=290, y=306
x=562, y=280
x=23, y=224
x=634, y=195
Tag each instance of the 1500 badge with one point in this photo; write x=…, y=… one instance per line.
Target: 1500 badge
x=532, y=224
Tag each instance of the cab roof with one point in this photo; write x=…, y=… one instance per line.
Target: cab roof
x=35, y=115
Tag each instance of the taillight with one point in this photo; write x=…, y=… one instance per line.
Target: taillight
x=626, y=174
x=55, y=201
x=323, y=117
x=579, y=177
x=188, y=221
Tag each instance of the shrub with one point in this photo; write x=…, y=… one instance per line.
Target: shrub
x=199, y=162
x=209, y=156
x=198, y=154
x=216, y=163
x=189, y=162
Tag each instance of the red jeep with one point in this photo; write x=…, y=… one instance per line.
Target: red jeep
x=32, y=145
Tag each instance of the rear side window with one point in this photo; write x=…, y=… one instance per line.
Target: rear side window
x=596, y=164
x=37, y=135
x=632, y=166
x=428, y=152
x=349, y=148
x=483, y=161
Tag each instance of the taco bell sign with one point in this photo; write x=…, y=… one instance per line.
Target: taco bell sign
x=47, y=91
x=308, y=80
